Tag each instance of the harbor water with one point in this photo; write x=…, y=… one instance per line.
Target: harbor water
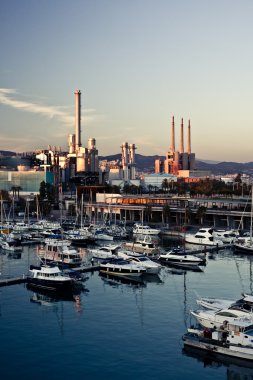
x=115, y=330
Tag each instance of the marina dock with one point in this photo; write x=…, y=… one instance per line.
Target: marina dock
x=207, y=249
x=83, y=269
x=13, y=281
x=23, y=279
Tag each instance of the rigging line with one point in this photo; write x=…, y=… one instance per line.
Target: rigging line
x=183, y=307
x=239, y=274
x=246, y=204
x=250, y=277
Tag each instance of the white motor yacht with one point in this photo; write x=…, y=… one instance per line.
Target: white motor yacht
x=104, y=252
x=145, y=230
x=59, y=251
x=226, y=236
x=136, y=258
x=204, y=236
x=10, y=245
x=216, y=319
x=178, y=255
x=246, y=302
x=49, y=278
x=142, y=245
x=235, y=340
x=120, y=267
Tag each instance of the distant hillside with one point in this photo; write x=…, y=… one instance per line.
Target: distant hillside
x=226, y=167
x=7, y=153
x=147, y=163
x=143, y=163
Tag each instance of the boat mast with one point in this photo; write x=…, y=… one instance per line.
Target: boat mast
x=251, y=215
x=81, y=211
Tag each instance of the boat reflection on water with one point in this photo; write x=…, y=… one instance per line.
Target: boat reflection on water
x=14, y=255
x=238, y=369
x=152, y=278
x=48, y=298
x=136, y=281
x=114, y=280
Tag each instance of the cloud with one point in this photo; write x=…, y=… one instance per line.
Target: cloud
x=11, y=98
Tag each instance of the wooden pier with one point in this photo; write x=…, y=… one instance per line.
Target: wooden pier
x=207, y=249
x=83, y=269
x=13, y=281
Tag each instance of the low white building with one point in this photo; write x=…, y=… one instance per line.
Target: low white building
x=156, y=179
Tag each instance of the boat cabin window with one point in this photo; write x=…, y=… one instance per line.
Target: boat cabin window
x=227, y=314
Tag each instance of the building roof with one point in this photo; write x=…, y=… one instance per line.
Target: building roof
x=165, y=175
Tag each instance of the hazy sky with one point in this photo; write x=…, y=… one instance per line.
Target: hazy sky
x=137, y=63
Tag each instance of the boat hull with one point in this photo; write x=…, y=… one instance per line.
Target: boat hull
x=72, y=264
x=121, y=271
x=56, y=286
x=245, y=353
x=244, y=248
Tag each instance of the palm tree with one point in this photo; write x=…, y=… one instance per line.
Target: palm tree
x=165, y=184
x=166, y=212
x=201, y=213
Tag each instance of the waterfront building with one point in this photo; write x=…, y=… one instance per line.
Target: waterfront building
x=27, y=181
x=156, y=180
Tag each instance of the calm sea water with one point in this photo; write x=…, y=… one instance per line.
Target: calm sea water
x=114, y=330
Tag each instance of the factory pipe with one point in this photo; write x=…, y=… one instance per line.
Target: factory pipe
x=189, y=137
x=182, y=137
x=78, y=119
x=173, y=135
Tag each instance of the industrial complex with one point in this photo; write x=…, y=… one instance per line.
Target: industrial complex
x=81, y=165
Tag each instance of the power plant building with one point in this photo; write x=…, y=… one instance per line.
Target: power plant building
x=83, y=162
x=124, y=172
x=177, y=160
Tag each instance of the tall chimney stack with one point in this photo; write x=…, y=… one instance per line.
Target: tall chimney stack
x=182, y=137
x=78, y=119
x=189, y=137
x=173, y=135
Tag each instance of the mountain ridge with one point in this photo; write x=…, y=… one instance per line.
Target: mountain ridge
x=147, y=163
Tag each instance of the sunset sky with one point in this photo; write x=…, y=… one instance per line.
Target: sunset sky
x=137, y=63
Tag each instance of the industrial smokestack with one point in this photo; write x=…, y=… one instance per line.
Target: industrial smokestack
x=78, y=119
x=182, y=137
x=132, y=149
x=173, y=135
x=189, y=138
x=125, y=160
x=72, y=143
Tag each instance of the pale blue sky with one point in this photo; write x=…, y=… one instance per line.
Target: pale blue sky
x=137, y=63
